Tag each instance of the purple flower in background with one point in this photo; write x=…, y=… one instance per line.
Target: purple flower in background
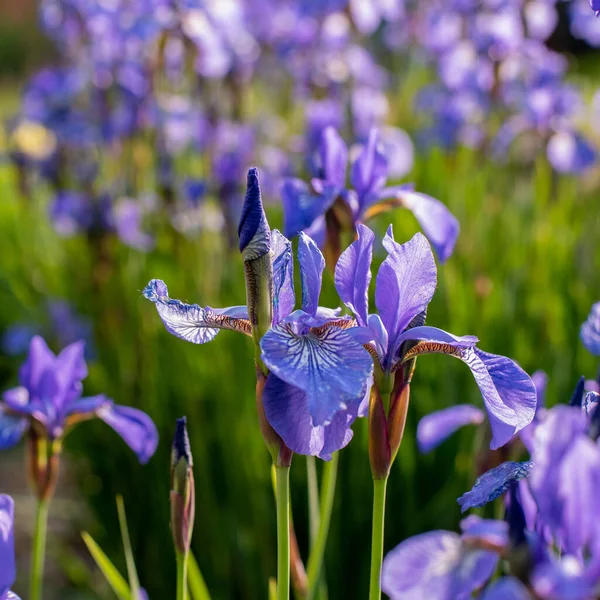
x=493, y=484
x=305, y=209
x=405, y=285
x=49, y=397
x=442, y=564
x=595, y=6
x=7, y=547
x=590, y=330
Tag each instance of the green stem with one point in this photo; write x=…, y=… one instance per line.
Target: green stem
x=282, y=493
x=317, y=553
x=182, y=562
x=313, y=499
x=379, y=488
x=39, y=550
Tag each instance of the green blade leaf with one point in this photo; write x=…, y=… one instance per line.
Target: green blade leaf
x=115, y=579
x=131, y=570
x=198, y=589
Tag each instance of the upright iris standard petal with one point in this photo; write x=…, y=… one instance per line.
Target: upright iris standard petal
x=286, y=409
x=326, y=363
x=369, y=171
x=353, y=274
x=191, y=322
x=334, y=157
x=70, y=368
x=39, y=360
x=134, y=426
x=283, y=277
x=301, y=207
x=253, y=229
x=434, y=428
x=494, y=483
x=406, y=283
x=507, y=391
x=312, y=265
x=590, y=330
x=7, y=544
x=435, y=565
x=12, y=429
x=506, y=588
x=439, y=225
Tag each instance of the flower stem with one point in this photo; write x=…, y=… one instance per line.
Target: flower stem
x=282, y=492
x=39, y=550
x=182, y=562
x=379, y=489
x=317, y=553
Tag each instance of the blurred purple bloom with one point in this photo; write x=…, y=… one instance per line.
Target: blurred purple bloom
x=506, y=588
x=494, y=483
x=590, y=330
x=564, y=579
x=7, y=547
x=569, y=153
x=405, y=285
x=595, y=6
x=50, y=395
x=127, y=216
x=434, y=428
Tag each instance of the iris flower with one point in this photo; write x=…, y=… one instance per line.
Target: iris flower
x=318, y=373
x=7, y=548
x=405, y=285
x=590, y=330
x=307, y=210
x=49, y=401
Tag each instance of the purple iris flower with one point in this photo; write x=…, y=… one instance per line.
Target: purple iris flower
x=445, y=565
x=405, y=285
x=7, y=547
x=595, y=6
x=305, y=208
x=590, y=330
x=318, y=373
x=49, y=397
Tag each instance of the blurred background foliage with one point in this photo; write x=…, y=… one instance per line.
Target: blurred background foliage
x=523, y=277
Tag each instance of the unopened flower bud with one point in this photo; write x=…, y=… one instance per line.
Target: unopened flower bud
x=182, y=489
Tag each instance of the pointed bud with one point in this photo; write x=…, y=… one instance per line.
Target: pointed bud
x=398, y=411
x=380, y=455
x=255, y=245
x=577, y=397
x=182, y=489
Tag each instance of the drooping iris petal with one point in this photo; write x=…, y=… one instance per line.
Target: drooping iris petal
x=253, y=229
x=12, y=429
x=7, y=544
x=435, y=565
x=506, y=588
x=487, y=531
x=334, y=157
x=494, y=483
x=312, y=265
x=369, y=171
x=353, y=274
x=434, y=428
x=283, y=277
x=439, y=225
x=579, y=488
x=405, y=285
x=301, y=207
x=286, y=409
x=507, y=391
x=135, y=427
x=88, y=406
x=590, y=330
x=191, y=322
x=327, y=364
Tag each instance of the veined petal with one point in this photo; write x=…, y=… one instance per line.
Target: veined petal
x=312, y=265
x=506, y=588
x=435, y=565
x=434, y=428
x=437, y=222
x=135, y=427
x=7, y=544
x=253, y=230
x=494, y=483
x=191, y=322
x=12, y=429
x=370, y=170
x=353, y=274
x=286, y=409
x=334, y=157
x=283, y=277
x=301, y=207
x=507, y=391
x=327, y=364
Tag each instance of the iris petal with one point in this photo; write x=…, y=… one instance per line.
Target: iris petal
x=494, y=483
x=506, y=588
x=327, y=364
x=353, y=274
x=301, y=207
x=12, y=429
x=334, y=157
x=191, y=322
x=434, y=428
x=312, y=265
x=369, y=171
x=7, y=544
x=283, y=277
